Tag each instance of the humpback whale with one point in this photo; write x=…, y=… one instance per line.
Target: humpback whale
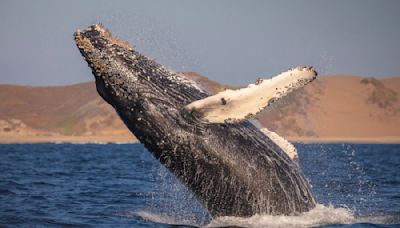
x=207, y=141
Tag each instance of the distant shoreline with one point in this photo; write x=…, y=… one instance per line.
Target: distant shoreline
x=321, y=118
x=131, y=140
x=68, y=139
x=355, y=140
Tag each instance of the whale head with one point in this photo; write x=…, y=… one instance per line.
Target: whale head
x=132, y=82
x=141, y=91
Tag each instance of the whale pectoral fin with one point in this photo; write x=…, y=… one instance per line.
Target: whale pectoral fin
x=237, y=105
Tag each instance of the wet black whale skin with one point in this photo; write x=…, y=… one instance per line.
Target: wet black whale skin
x=232, y=168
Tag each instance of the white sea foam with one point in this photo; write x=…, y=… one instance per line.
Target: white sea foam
x=320, y=215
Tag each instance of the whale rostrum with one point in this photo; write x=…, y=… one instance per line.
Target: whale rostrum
x=229, y=164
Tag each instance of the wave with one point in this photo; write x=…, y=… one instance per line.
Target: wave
x=163, y=218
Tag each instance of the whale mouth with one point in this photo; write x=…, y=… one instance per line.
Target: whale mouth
x=98, y=37
x=85, y=43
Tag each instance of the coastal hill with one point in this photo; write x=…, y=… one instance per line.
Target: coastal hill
x=331, y=109
x=59, y=113
x=340, y=108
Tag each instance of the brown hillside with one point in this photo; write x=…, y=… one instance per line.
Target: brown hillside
x=333, y=108
x=339, y=107
x=74, y=110
x=392, y=83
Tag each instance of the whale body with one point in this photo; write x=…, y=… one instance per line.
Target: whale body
x=230, y=165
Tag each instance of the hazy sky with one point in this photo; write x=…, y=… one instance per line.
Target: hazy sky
x=233, y=42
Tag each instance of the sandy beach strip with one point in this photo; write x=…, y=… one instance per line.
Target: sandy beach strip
x=130, y=140
x=355, y=140
x=68, y=139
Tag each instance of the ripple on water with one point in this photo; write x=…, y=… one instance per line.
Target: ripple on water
x=92, y=185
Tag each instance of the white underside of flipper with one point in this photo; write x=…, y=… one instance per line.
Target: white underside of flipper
x=237, y=105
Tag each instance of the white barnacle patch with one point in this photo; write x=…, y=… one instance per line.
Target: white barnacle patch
x=121, y=69
x=239, y=104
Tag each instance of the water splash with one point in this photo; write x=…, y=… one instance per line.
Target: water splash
x=321, y=215
x=170, y=202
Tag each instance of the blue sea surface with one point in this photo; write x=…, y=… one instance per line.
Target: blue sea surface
x=90, y=185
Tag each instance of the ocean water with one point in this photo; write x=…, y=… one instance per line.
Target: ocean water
x=58, y=185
